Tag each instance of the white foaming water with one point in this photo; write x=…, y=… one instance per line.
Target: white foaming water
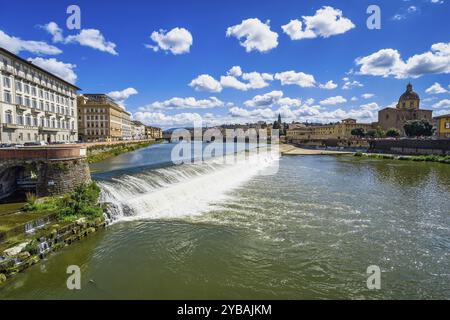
x=177, y=191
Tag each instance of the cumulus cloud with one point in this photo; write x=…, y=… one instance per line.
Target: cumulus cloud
x=296, y=78
x=435, y=89
x=16, y=45
x=388, y=62
x=235, y=79
x=348, y=84
x=333, y=101
x=61, y=69
x=177, y=40
x=326, y=22
x=184, y=103
x=92, y=38
x=367, y=95
x=267, y=99
x=121, y=96
x=205, y=82
x=162, y=120
x=442, y=104
x=254, y=35
x=330, y=85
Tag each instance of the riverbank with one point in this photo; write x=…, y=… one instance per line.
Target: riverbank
x=287, y=149
x=103, y=151
x=45, y=225
x=428, y=158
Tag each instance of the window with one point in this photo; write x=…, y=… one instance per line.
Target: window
x=8, y=117
x=20, y=119
x=19, y=99
x=7, y=97
x=28, y=120
x=27, y=101
x=7, y=82
x=27, y=89
x=18, y=85
x=447, y=125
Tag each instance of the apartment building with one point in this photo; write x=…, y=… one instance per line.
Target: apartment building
x=99, y=118
x=35, y=105
x=126, y=125
x=153, y=132
x=137, y=130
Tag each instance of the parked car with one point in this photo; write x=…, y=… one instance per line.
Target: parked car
x=37, y=143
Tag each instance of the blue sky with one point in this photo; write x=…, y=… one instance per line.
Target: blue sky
x=294, y=57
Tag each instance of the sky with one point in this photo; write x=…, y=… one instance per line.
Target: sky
x=171, y=63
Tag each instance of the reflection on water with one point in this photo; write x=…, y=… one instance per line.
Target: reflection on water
x=308, y=232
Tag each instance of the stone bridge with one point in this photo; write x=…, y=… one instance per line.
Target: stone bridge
x=45, y=171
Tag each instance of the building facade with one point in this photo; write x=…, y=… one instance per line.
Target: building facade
x=137, y=130
x=338, y=131
x=126, y=125
x=99, y=118
x=35, y=105
x=153, y=132
x=443, y=126
x=408, y=108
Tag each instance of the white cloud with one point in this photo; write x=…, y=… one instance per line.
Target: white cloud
x=330, y=85
x=233, y=82
x=267, y=99
x=257, y=35
x=235, y=71
x=442, y=104
x=61, y=69
x=55, y=31
x=326, y=22
x=205, y=82
x=435, y=89
x=348, y=84
x=388, y=62
x=370, y=107
x=121, y=96
x=296, y=78
x=333, y=101
x=92, y=38
x=162, y=120
x=354, y=99
x=367, y=95
x=177, y=40
x=184, y=103
x=16, y=45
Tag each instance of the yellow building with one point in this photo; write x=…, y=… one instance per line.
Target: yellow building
x=443, y=126
x=339, y=131
x=99, y=118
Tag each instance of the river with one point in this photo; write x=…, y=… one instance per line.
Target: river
x=214, y=231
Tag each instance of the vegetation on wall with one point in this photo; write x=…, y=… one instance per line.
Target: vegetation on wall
x=117, y=150
x=82, y=202
x=428, y=158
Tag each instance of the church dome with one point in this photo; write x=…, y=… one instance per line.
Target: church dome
x=409, y=94
x=409, y=99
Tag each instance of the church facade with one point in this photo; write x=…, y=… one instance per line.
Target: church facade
x=408, y=108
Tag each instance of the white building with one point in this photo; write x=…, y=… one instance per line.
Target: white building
x=35, y=105
x=137, y=130
x=126, y=125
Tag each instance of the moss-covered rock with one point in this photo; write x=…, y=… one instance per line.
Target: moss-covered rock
x=2, y=278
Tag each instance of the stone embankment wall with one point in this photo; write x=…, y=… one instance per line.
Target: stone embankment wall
x=411, y=146
x=54, y=237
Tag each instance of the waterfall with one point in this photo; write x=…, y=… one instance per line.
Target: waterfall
x=179, y=190
x=43, y=247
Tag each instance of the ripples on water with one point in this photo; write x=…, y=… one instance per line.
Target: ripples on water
x=308, y=232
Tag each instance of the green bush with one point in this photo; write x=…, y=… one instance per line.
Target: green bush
x=82, y=202
x=358, y=154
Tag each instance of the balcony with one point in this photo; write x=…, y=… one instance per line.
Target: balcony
x=12, y=126
x=47, y=129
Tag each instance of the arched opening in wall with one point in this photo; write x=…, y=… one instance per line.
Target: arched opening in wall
x=16, y=182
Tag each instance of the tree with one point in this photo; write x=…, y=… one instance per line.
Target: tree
x=371, y=133
x=392, y=133
x=379, y=133
x=358, y=132
x=418, y=128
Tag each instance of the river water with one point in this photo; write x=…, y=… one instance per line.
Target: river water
x=214, y=231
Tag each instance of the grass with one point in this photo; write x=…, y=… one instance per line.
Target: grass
x=117, y=150
x=428, y=158
x=82, y=202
